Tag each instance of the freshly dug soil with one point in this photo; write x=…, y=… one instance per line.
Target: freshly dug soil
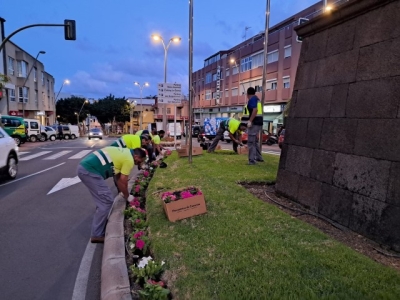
x=359, y=243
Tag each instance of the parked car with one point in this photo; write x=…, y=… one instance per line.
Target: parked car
x=8, y=155
x=47, y=133
x=281, y=138
x=68, y=131
x=33, y=130
x=15, y=127
x=244, y=137
x=95, y=133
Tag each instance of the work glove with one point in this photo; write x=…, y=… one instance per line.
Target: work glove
x=130, y=198
x=249, y=124
x=241, y=144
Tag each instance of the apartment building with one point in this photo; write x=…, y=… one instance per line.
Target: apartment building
x=220, y=86
x=30, y=92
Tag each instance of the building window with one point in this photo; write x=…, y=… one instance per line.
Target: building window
x=48, y=85
x=208, y=78
x=12, y=94
x=272, y=84
x=235, y=70
x=226, y=93
x=245, y=64
x=208, y=95
x=288, y=51
x=257, y=60
x=214, y=95
x=235, y=92
x=23, y=94
x=286, y=82
x=11, y=65
x=272, y=56
x=214, y=77
x=22, y=67
x=42, y=78
x=227, y=72
x=36, y=96
x=35, y=74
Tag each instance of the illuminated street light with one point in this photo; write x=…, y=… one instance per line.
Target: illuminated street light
x=141, y=101
x=175, y=39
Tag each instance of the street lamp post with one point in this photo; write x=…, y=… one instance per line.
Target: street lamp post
x=79, y=113
x=141, y=101
x=131, y=106
x=177, y=39
x=66, y=81
x=27, y=77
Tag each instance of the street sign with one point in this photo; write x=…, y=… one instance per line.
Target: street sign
x=170, y=93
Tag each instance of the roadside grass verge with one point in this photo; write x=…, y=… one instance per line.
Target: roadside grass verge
x=244, y=248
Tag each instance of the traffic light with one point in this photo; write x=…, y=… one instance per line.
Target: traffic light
x=69, y=30
x=300, y=22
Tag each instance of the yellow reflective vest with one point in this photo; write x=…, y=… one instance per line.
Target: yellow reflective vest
x=257, y=119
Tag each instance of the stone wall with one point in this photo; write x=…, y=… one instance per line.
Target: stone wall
x=341, y=156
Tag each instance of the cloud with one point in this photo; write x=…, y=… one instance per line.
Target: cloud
x=226, y=28
x=83, y=83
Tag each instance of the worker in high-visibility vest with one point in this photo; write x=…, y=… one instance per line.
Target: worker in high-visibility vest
x=93, y=171
x=231, y=125
x=156, y=140
x=132, y=141
x=245, y=117
x=254, y=125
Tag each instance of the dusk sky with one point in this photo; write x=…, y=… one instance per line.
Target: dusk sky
x=113, y=47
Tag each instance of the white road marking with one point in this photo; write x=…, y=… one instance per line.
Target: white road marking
x=80, y=154
x=82, y=278
x=33, y=174
x=34, y=155
x=59, y=154
x=93, y=145
x=64, y=183
x=21, y=153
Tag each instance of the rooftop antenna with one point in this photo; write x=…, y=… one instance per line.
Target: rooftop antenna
x=245, y=32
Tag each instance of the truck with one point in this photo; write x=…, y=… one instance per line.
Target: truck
x=211, y=126
x=171, y=130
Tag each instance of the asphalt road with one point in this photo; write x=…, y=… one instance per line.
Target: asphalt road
x=43, y=236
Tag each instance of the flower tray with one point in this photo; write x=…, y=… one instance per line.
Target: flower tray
x=184, y=151
x=185, y=208
x=243, y=150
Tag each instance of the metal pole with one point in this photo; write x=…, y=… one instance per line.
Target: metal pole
x=190, y=76
x=264, y=75
x=55, y=101
x=325, y=5
x=141, y=108
x=131, y=117
x=3, y=36
x=165, y=81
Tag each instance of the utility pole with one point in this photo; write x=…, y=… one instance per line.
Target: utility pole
x=3, y=36
x=190, y=77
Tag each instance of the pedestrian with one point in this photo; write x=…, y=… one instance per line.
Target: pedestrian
x=232, y=126
x=60, y=131
x=253, y=117
x=95, y=168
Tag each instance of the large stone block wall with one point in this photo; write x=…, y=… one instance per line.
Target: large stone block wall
x=341, y=156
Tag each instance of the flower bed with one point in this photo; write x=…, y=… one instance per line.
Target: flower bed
x=144, y=271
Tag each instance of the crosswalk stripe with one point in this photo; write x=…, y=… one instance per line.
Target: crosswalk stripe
x=80, y=154
x=21, y=153
x=34, y=155
x=59, y=154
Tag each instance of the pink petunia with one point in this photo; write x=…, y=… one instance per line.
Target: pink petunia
x=140, y=210
x=138, y=220
x=139, y=244
x=146, y=174
x=186, y=194
x=199, y=193
x=138, y=235
x=137, y=189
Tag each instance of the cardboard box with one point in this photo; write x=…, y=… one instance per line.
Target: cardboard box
x=243, y=150
x=218, y=147
x=184, y=152
x=185, y=208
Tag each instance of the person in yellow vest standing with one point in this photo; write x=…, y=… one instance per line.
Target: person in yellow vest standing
x=254, y=125
x=95, y=168
x=233, y=126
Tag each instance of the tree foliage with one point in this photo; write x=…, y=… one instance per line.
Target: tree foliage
x=110, y=108
x=66, y=109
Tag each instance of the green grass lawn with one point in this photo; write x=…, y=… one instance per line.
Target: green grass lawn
x=244, y=248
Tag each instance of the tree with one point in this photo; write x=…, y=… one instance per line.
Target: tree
x=66, y=109
x=110, y=108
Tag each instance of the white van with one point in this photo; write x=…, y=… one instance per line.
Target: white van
x=171, y=130
x=74, y=129
x=33, y=130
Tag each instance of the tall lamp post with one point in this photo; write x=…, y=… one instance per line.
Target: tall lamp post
x=27, y=77
x=176, y=39
x=132, y=105
x=79, y=113
x=66, y=81
x=141, y=101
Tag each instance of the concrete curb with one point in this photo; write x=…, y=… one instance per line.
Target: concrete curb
x=114, y=272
